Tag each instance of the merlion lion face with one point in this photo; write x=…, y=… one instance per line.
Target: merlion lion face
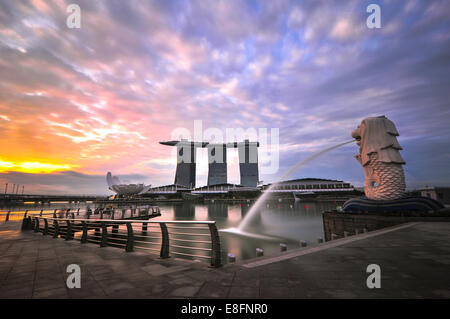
x=356, y=134
x=380, y=157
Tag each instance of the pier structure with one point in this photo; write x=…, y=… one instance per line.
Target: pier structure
x=217, y=162
x=20, y=199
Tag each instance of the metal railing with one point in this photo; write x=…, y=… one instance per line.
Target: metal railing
x=185, y=239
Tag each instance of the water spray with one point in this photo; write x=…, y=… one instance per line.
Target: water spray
x=242, y=228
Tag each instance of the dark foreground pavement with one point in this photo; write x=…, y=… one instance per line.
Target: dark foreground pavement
x=414, y=261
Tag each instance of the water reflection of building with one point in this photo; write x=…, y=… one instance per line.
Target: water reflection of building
x=183, y=210
x=218, y=210
x=244, y=209
x=300, y=208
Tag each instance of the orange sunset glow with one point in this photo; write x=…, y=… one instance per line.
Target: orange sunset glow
x=33, y=167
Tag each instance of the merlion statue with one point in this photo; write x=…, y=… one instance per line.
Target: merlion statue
x=380, y=158
x=379, y=155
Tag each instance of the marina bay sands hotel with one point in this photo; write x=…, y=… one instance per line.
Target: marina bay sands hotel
x=217, y=162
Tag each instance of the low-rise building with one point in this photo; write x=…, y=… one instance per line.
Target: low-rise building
x=441, y=194
x=313, y=188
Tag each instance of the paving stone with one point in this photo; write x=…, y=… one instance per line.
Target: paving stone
x=158, y=270
x=113, y=286
x=48, y=285
x=6, y=286
x=186, y=292
x=242, y=292
x=130, y=293
x=16, y=293
x=57, y=293
x=213, y=290
x=275, y=293
x=158, y=289
x=11, y=279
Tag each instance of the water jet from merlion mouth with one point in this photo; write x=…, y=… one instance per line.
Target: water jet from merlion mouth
x=254, y=210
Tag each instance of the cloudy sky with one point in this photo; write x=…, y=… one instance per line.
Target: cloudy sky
x=76, y=103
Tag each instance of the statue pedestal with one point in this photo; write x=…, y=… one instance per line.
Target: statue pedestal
x=407, y=204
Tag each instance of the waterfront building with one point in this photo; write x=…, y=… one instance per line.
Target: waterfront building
x=441, y=194
x=217, y=162
x=122, y=189
x=312, y=188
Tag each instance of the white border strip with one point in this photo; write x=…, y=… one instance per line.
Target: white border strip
x=327, y=245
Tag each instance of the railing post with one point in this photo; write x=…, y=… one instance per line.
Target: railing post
x=101, y=214
x=130, y=238
x=85, y=231
x=7, y=215
x=69, y=232
x=73, y=215
x=215, y=245
x=115, y=228
x=25, y=224
x=165, y=241
x=36, y=224
x=123, y=214
x=45, y=232
x=54, y=213
x=56, y=227
x=112, y=214
x=144, y=228
x=104, y=241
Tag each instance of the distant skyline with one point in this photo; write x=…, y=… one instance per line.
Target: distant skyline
x=77, y=103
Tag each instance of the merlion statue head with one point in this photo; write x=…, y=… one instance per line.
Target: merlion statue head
x=380, y=158
x=378, y=135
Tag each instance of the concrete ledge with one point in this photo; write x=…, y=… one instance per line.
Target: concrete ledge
x=353, y=223
x=330, y=244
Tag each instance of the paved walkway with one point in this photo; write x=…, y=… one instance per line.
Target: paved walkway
x=414, y=261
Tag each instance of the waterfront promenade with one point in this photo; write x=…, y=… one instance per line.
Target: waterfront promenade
x=414, y=263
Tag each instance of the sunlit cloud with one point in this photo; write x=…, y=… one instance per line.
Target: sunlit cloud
x=34, y=167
